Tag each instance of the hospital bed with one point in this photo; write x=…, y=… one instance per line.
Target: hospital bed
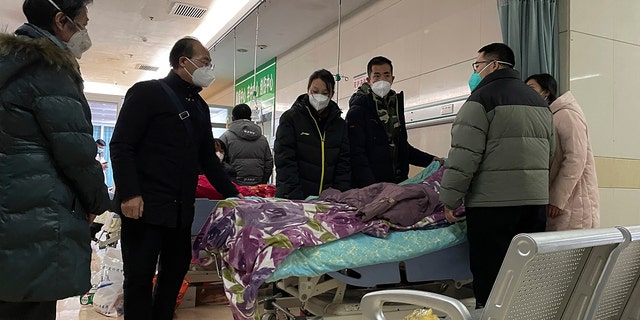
x=320, y=284
x=577, y=274
x=198, y=273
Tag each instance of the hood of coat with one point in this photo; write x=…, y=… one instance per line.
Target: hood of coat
x=565, y=101
x=245, y=129
x=30, y=47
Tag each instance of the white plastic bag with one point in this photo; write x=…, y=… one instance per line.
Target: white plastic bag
x=108, y=298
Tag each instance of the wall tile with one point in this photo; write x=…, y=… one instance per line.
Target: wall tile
x=626, y=69
x=593, y=17
x=591, y=81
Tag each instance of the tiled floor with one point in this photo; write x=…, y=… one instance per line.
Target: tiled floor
x=70, y=309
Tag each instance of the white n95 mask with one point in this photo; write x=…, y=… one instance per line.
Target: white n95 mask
x=203, y=76
x=318, y=101
x=381, y=88
x=79, y=42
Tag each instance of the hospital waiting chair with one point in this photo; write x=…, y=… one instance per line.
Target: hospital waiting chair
x=618, y=293
x=547, y=275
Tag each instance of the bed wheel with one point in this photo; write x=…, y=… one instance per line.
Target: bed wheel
x=268, y=316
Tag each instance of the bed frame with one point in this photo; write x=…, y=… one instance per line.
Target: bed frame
x=325, y=295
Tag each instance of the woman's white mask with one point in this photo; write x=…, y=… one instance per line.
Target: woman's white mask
x=318, y=101
x=80, y=41
x=203, y=76
x=381, y=88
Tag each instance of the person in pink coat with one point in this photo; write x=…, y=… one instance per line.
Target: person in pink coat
x=573, y=194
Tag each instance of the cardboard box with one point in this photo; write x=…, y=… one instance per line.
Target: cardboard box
x=211, y=294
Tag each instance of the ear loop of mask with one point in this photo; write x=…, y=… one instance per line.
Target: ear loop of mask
x=66, y=16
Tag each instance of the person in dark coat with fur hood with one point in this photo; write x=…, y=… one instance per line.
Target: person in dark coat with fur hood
x=312, y=146
x=51, y=186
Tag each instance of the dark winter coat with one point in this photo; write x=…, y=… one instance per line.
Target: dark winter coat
x=49, y=178
x=155, y=156
x=248, y=152
x=371, y=155
x=311, y=153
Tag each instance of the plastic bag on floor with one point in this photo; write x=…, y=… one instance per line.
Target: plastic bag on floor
x=87, y=298
x=109, y=296
x=422, y=314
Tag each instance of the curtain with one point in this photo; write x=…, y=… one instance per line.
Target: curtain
x=530, y=28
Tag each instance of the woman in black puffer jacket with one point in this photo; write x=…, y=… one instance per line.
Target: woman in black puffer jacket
x=50, y=182
x=312, y=146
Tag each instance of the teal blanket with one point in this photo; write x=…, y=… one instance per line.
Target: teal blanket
x=361, y=250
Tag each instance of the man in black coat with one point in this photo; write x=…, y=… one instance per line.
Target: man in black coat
x=161, y=141
x=380, y=150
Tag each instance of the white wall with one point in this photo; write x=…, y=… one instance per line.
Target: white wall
x=603, y=67
x=431, y=45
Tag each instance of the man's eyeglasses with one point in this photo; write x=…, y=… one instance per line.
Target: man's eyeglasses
x=477, y=63
x=205, y=63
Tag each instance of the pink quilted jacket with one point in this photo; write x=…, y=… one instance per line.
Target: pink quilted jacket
x=573, y=181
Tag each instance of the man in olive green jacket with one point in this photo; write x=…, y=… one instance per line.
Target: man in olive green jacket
x=501, y=145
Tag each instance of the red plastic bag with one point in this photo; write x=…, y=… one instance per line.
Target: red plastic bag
x=181, y=293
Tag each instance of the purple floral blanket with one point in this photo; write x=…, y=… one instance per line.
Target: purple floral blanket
x=255, y=235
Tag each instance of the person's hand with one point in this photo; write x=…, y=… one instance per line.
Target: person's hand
x=91, y=217
x=441, y=160
x=448, y=214
x=553, y=211
x=105, y=165
x=133, y=207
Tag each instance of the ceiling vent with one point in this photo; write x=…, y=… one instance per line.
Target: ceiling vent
x=187, y=10
x=146, y=67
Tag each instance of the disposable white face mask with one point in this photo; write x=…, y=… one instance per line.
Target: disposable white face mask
x=203, y=76
x=220, y=155
x=381, y=88
x=318, y=101
x=80, y=41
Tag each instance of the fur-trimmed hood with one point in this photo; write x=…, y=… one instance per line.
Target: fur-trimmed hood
x=30, y=47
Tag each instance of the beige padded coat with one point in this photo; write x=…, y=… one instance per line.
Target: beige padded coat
x=573, y=181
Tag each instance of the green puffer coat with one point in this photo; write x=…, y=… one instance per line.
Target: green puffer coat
x=502, y=142
x=49, y=178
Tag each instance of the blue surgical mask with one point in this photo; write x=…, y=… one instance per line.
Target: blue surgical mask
x=475, y=78
x=474, y=81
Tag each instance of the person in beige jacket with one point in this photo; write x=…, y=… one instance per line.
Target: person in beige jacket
x=573, y=194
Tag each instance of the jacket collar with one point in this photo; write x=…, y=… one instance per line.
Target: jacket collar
x=302, y=103
x=35, y=32
x=175, y=81
x=506, y=73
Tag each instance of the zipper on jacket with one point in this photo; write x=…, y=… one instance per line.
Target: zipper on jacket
x=322, y=136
